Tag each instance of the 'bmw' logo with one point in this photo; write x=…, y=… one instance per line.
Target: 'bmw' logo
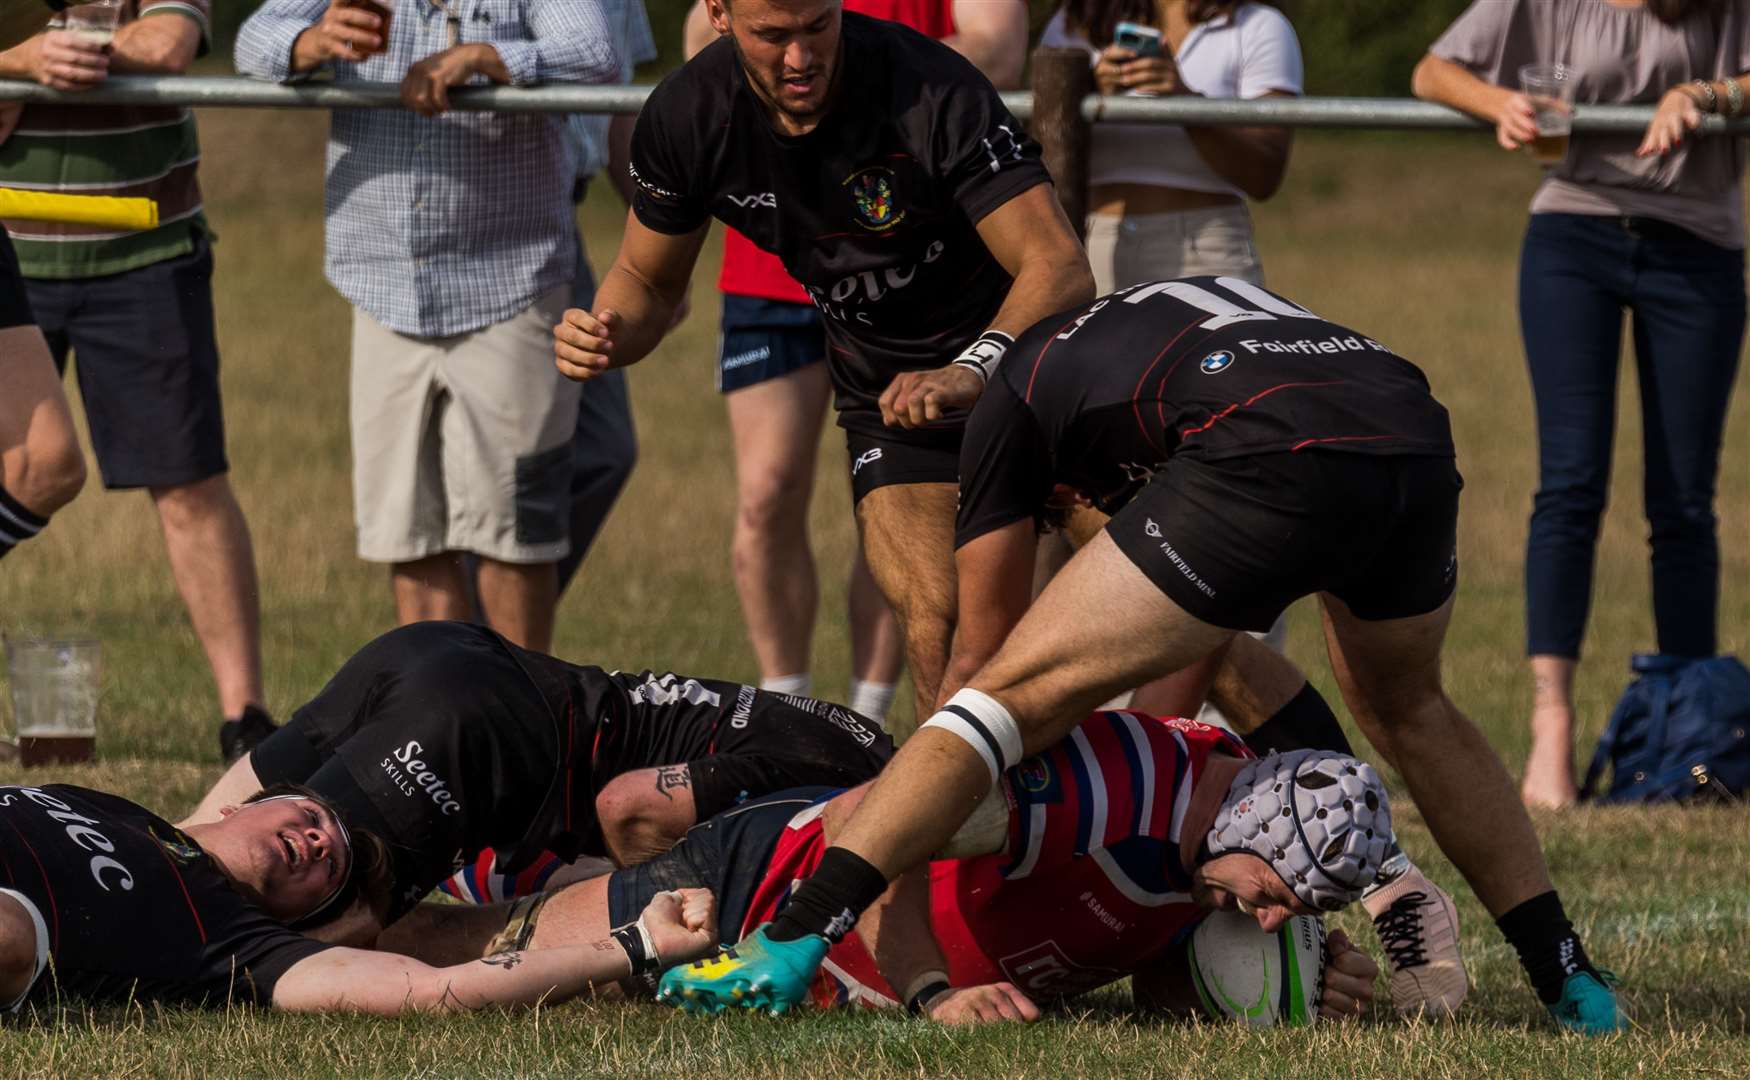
x=1217, y=362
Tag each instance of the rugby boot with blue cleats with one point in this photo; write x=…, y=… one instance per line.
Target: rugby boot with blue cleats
x=1588, y=1005
x=756, y=973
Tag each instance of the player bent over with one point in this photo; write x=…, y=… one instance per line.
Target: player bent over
x=106, y=902
x=1094, y=862
x=447, y=740
x=1251, y=453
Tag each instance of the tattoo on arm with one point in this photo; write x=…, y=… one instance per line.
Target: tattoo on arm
x=604, y=945
x=670, y=777
x=505, y=960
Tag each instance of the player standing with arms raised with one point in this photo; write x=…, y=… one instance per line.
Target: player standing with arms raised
x=885, y=172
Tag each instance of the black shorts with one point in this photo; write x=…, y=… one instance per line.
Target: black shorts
x=726, y=854
x=778, y=742
x=14, y=299
x=880, y=456
x=148, y=367
x=766, y=339
x=1235, y=541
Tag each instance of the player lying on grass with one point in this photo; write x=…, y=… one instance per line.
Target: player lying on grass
x=1250, y=453
x=446, y=740
x=105, y=902
x=1094, y=863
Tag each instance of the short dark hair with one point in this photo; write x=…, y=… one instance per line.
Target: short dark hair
x=370, y=879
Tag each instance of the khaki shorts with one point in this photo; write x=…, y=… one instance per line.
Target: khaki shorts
x=1158, y=247
x=463, y=443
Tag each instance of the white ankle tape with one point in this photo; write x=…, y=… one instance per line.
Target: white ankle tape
x=985, y=725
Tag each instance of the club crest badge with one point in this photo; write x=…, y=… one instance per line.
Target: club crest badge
x=872, y=195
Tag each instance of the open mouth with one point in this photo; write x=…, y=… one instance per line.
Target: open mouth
x=294, y=850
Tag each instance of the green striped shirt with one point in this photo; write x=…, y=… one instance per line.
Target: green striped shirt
x=149, y=151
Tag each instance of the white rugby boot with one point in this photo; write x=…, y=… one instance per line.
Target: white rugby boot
x=1417, y=924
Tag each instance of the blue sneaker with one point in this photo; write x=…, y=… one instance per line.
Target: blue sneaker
x=756, y=973
x=1588, y=1005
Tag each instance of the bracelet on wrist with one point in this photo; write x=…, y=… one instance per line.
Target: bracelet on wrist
x=1710, y=98
x=1734, y=98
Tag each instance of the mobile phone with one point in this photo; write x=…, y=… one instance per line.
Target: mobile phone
x=1139, y=39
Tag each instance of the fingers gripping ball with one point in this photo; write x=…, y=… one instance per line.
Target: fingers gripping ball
x=1258, y=978
x=1319, y=818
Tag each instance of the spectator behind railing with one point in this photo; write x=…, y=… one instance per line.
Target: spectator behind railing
x=1652, y=224
x=453, y=236
x=137, y=309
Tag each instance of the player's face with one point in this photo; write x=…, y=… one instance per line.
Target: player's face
x=297, y=854
x=789, y=49
x=1245, y=883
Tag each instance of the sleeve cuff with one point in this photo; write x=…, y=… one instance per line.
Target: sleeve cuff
x=521, y=60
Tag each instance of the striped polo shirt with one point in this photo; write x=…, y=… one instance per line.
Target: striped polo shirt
x=150, y=151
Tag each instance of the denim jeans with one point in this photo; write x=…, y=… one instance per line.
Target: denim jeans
x=1577, y=274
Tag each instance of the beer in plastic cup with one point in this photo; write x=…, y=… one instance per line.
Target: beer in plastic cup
x=93, y=22
x=1551, y=90
x=55, y=686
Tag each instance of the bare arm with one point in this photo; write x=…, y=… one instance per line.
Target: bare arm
x=995, y=573
x=993, y=35
x=1446, y=83
x=1253, y=159
x=620, y=156
x=683, y=925
x=698, y=31
x=635, y=305
x=1034, y=242
x=164, y=44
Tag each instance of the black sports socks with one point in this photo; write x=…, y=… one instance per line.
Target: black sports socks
x=1305, y=723
x=828, y=903
x=1548, y=948
x=16, y=523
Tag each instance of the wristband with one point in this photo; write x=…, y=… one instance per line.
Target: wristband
x=924, y=989
x=1713, y=98
x=640, y=949
x=985, y=354
x=1734, y=98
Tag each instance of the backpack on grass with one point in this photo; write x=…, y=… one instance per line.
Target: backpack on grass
x=1677, y=734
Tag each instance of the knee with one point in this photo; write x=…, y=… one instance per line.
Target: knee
x=50, y=478
x=772, y=504
x=186, y=505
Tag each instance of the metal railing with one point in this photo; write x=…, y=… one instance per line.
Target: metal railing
x=1318, y=112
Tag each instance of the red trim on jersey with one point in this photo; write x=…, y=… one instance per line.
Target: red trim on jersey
x=54, y=911
x=1136, y=394
x=200, y=928
x=1339, y=438
x=1040, y=359
x=1223, y=414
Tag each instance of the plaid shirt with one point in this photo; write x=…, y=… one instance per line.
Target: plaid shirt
x=444, y=225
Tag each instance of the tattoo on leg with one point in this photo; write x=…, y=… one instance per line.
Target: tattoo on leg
x=670, y=777
x=505, y=960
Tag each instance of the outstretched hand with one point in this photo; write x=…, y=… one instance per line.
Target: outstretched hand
x=1349, y=975
x=991, y=1003
x=682, y=924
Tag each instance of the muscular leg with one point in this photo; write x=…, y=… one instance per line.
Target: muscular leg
x=645, y=812
x=213, y=562
x=908, y=536
x=518, y=601
x=1390, y=675
x=775, y=426
x=1100, y=626
x=41, y=465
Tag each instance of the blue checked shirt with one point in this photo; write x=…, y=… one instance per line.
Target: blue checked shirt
x=444, y=225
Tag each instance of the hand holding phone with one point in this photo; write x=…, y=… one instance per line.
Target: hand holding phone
x=1139, y=39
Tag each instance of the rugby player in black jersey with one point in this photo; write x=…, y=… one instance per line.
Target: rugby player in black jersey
x=1251, y=453
x=884, y=171
x=102, y=901
x=445, y=739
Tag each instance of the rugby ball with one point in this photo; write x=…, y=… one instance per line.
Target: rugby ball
x=1259, y=979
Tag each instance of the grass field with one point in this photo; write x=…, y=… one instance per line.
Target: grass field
x=1413, y=241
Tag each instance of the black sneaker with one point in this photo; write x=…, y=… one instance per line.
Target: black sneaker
x=238, y=737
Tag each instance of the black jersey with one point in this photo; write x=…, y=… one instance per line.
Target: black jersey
x=132, y=906
x=873, y=211
x=1098, y=397
x=447, y=740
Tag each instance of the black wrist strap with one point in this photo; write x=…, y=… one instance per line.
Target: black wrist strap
x=925, y=994
x=643, y=963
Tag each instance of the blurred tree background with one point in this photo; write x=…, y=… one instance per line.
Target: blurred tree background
x=1358, y=48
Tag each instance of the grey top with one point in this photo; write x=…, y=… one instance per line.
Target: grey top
x=1623, y=55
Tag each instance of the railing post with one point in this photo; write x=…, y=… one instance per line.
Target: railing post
x=1061, y=78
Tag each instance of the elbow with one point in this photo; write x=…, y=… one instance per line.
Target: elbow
x=1079, y=286
x=1422, y=79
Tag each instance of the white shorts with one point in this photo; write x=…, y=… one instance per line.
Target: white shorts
x=1157, y=247
x=463, y=443
x=42, y=946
